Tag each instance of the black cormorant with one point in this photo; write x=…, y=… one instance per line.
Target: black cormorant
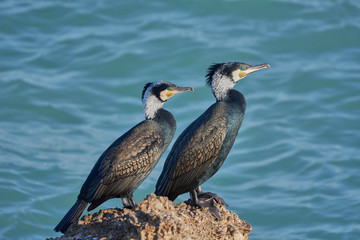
x=202, y=147
x=130, y=159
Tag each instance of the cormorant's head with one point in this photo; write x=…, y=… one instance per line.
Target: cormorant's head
x=223, y=76
x=155, y=94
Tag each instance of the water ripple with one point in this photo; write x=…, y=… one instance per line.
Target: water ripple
x=71, y=76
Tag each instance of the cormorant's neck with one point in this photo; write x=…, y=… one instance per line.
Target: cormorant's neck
x=220, y=86
x=152, y=104
x=235, y=96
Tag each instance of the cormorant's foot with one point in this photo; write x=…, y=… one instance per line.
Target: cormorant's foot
x=206, y=200
x=211, y=204
x=209, y=195
x=206, y=203
x=128, y=207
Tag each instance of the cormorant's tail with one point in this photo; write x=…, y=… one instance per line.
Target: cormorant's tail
x=162, y=189
x=161, y=186
x=71, y=216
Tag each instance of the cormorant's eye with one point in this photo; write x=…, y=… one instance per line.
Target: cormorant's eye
x=241, y=68
x=169, y=88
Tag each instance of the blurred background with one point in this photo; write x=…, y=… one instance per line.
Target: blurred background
x=71, y=76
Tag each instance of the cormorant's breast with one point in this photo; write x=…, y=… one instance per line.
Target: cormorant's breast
x=168, y=124
x=202, y=147
x=234, y=107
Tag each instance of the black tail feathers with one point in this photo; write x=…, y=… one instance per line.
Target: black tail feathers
x=71, y=216
x=162, y=190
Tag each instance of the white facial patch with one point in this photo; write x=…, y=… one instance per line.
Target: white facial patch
x=235, y=75
x=163, y=95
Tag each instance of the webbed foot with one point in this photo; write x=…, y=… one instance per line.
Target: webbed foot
x=209, y=195
x=207, y=200
x=210, y=203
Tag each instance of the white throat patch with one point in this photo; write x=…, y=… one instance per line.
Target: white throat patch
x=151, y=103
x=221, y=85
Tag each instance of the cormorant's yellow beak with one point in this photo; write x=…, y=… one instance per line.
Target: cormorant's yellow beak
x=244, y=73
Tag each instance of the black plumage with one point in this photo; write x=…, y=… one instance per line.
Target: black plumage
x=202, y=147
x=129, y=160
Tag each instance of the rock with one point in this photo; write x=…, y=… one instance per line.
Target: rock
x=158, y=218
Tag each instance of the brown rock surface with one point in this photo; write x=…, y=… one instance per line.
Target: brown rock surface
x=158, y=218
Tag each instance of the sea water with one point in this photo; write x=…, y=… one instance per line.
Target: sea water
x=71, y=77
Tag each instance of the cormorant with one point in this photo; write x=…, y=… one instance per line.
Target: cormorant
x=130, y=159
x=202, y=147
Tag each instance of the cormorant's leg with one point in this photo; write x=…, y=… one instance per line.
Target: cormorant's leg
x=131, y=200
x=194, y=198
x=201, y=201
x=126, y=203
x=198, y=190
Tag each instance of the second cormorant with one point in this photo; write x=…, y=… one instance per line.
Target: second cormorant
x=130, y=159
x=202, y=147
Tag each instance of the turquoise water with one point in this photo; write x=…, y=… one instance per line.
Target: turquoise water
x=71, y=76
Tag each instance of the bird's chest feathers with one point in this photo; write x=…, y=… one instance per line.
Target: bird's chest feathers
x=233, y=112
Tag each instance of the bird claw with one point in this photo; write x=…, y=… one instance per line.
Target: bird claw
x=206, y=196
x=211, y=205
x=208, y=200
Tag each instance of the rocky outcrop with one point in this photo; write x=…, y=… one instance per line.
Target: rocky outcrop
x=159, y=218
